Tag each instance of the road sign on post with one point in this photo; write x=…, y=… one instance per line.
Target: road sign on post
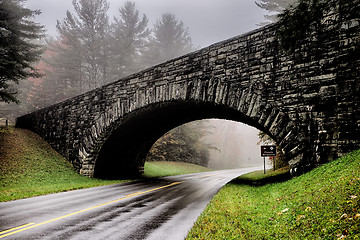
x=268, y=151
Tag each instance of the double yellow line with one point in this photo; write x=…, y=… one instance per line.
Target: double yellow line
x=13, y=230
x=33, y=225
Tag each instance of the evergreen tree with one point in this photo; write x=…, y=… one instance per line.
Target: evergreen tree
x=171, y=39
x=17, y=48
x=64, y=76
x=129, y=36
x=85, y=35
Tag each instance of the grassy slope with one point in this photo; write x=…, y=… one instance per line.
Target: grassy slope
x=161, y=169
x=30, y=167
x=322, y=204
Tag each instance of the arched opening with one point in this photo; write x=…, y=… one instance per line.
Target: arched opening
x=213, y=143
x=123, y=152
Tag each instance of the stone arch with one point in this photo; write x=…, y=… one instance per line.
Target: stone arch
x=311, y=108
x=117, y=145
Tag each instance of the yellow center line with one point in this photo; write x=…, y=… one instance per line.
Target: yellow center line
x=15, y=228
x=33, y=225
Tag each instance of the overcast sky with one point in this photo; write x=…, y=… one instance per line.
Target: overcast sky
x=209, y=21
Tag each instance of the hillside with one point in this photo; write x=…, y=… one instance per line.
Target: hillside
x=30, y=167
x=321, y=204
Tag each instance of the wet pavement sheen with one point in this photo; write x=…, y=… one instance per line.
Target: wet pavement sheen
x=163, y=208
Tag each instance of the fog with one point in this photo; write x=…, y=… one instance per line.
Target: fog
x=208, y=21
x=236, y=143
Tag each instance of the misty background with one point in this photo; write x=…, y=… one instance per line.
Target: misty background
x=208, y=21
x=237, y=143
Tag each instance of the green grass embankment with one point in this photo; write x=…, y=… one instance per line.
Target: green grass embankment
x=30, y=167
x=321, y=204
x=163, y=168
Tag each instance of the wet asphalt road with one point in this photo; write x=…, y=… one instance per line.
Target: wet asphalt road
x=164, y=208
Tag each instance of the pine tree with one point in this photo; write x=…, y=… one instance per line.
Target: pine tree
x=171, y=39
x=17, y=48
x=63, y=77
x=86, y=35
x=129, y=36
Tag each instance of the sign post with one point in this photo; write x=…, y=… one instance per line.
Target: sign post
x=268, y=151
x=264, y=166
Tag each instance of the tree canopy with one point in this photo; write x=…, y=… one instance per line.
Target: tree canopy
x=19, y=49
x=306, y=18
x=128, y=41
x=184, y=144
x=171, y=39
x=93, y=49
x=86, y=34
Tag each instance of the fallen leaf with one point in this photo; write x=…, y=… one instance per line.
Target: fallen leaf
x=343, y=216
x=300, y=217
x=308, y=209
x=357, y=215
x=285, y=210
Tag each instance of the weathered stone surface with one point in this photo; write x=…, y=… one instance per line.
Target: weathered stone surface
x=308, y=101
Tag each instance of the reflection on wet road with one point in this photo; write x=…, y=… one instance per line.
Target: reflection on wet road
x=164, y=208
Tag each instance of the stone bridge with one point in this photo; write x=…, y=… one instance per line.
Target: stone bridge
x=308, y=101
